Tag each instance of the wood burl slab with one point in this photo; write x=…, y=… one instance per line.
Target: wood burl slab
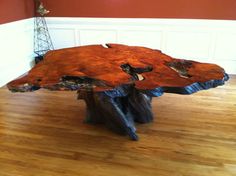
x=118, y=82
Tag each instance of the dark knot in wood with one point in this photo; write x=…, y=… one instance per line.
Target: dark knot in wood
x=134, y=72
x=181, y=67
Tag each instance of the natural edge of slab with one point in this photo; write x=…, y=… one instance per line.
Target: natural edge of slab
x=190, y=89
x=195, y=87
x=123, y=90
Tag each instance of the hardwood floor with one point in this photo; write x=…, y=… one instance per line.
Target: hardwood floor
x=43, y=134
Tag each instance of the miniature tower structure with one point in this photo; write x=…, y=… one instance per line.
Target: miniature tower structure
x=42, y=39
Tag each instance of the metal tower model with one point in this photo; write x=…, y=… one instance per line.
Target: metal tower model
x=42, y=39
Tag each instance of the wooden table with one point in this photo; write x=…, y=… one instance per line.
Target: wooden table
x=118, y=82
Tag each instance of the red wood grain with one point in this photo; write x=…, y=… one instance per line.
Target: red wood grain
x=103, y=64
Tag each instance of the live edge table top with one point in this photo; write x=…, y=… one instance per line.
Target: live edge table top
x=102, y=69
x=118, y=82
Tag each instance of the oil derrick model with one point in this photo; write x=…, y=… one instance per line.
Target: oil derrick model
x=42, y=39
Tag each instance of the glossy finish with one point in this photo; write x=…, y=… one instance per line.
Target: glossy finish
x=42, y=134
x=103, y=68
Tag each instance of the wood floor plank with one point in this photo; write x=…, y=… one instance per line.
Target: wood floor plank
x=42, y=134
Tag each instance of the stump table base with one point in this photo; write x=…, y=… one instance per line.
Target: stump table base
x=119, y=113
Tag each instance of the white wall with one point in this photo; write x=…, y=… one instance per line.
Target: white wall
x=202, y=40
x=16, y=49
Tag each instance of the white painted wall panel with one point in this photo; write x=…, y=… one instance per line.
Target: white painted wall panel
x=189, y=45
x=226, y=47
x=16, y=48
x=88, y=37
x=63, y=38
x=151, y=39
x=229, y=66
